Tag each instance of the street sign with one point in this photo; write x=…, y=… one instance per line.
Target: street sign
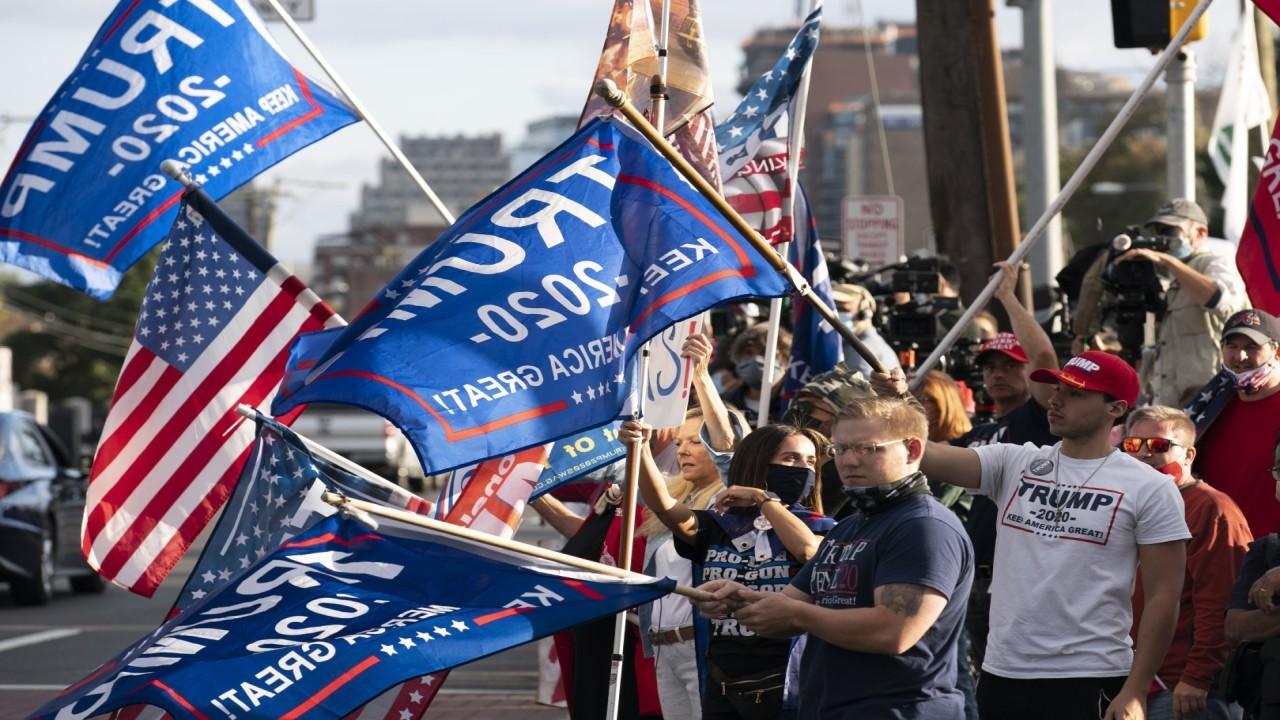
x=872, y=229
x=299, y=10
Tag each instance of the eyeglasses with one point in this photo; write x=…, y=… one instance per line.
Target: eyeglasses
x=1134, y=444
x=860, y=449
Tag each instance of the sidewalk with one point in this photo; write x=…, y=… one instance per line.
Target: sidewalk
x=16, y=704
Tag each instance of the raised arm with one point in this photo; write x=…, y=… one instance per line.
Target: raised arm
x=715, y=416
x=1033, y=339
x=679, y=519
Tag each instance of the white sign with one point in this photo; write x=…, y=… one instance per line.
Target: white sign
x=299, y=10
x=872, y=229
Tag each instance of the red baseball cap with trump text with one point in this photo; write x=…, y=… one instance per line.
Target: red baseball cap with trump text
x=1005, y=343
x=1097, y=371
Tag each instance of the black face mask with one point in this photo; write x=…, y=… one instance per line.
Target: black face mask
x=790, y=482
x=871, y=500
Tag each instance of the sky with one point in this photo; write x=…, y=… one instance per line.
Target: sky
x=445, y=67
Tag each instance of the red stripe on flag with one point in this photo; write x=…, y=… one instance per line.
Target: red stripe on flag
x=330, y=537
x=315, y=112
x=143, y=223
x=495, y=616
x=747, y=268
x=149, y=581
x=331, y=688
x=582, y=588
x=179, y=699
x=265, y=325
x=204, y=451
x=92, y=676
x=130, y=373
x=51, y=245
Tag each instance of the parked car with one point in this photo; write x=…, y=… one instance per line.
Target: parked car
x=42, y=495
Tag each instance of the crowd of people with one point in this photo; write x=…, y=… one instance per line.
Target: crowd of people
x=1103, y=546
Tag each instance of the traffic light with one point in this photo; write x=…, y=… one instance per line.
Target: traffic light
x=1152, y=23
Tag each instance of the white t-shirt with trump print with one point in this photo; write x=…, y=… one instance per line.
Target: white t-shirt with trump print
x=1067, y=537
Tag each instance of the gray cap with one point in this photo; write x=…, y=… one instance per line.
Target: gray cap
x=1178, y=211
x=1259, y=326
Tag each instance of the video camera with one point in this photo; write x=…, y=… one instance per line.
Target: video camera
x=1133, y=289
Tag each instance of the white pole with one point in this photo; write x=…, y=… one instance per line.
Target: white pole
x=617, y=658
x=1180, y=82
x=796, y=136
x=362, y=112
x=1073, y=184
x=334, y=458
x=340, y=501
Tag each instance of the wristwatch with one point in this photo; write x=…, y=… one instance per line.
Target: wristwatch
x=769, y=496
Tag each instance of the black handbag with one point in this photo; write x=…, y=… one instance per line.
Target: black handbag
x=757, y=696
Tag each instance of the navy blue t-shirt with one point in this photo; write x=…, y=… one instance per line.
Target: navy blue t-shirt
x=916, y=541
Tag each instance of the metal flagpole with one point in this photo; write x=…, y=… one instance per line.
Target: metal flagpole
x=1077, y=178
x=362, y=112
x=331, y=457
x=608, y=90
x=362, y=506
x=796, y=144
x=617, y=658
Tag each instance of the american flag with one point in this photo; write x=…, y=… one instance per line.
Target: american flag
x=1209, y=402
x=213, y=332
x=764, y=112
x=277, y=497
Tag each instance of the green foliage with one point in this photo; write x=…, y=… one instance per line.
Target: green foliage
x=65, y=346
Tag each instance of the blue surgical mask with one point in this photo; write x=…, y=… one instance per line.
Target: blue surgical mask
x=1180, y=247
x=846, y=318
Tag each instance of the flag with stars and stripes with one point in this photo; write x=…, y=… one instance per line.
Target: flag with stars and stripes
x=278, y=497
x=326, y=622
x=764, y=113
x=213, y=333
x=1208, y=403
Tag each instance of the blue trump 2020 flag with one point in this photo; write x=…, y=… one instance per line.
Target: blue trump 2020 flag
x=340, y=613
x=515, y=327
x=198, y=82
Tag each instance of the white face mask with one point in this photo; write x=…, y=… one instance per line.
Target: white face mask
x=1252, y=381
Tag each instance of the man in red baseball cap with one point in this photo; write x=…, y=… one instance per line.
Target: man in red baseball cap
x=1076, y=520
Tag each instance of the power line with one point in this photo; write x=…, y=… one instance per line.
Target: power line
x=94, y=323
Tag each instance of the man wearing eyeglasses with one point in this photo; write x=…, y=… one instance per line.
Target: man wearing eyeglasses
x=1075, y=520
x=883, y=598
x=1238, y=415
x=1164, y=438
x=1203, y=290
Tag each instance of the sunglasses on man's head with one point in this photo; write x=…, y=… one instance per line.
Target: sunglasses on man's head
x=1134, y=444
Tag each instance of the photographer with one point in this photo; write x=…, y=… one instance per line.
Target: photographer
x=1201, y=290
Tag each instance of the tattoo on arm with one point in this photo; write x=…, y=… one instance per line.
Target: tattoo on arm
x=901, y=598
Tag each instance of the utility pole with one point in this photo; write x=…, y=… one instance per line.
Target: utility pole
x=1040, y=140
x=971, y=199
x=1180, y=105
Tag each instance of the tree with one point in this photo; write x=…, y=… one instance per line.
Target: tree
x=71, y=345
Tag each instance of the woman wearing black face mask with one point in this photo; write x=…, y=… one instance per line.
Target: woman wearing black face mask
x=760, y=532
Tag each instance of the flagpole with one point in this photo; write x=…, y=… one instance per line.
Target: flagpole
x=341, y=501
x=796, y=136
x=332, y=457
x=1077, y=178
x=618, y=99
x=617, y=657
x=362, y=112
